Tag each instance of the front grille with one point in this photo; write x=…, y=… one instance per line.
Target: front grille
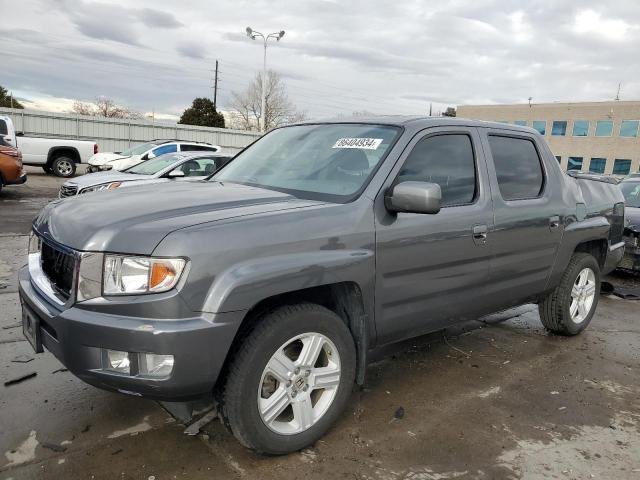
x=68, y=190
x=58, y=266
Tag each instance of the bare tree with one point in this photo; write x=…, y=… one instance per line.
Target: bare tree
x=279, y=110
x=104, y=107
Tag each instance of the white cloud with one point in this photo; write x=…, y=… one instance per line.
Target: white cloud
x=336, y=57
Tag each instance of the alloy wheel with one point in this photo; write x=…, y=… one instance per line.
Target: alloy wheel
x=583, y=294
x=299, y=383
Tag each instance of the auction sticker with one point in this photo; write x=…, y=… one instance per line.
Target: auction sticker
x=364, y=143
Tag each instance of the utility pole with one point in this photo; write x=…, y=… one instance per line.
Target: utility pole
x=430, y=108
x=215, y=87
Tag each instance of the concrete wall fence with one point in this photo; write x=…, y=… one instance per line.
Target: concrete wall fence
x=117, y=134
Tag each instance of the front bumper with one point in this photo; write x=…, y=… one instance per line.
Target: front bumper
x=18, y=181
x=77, y=336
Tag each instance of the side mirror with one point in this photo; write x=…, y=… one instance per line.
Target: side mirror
x=19, y=134
x=414, y=197
x=177, y=173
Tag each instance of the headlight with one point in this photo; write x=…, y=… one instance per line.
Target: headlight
x=105, y=167
x=138, y=275
x=104, y=186
x=34, y=243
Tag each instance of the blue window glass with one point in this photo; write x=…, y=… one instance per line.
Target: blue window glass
x=161, y=150
x=540, y=126
x=503, y=121
x=575, y=163
x=559, y=128
x=629, y=128
x=621, y=167
x=597, y=165
x=559, y=158
x=522, y=123
x=580, y=128
x=604, y=128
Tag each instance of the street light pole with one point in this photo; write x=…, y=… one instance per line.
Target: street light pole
x=253, y=34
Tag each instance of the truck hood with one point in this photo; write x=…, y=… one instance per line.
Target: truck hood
x=134, y=220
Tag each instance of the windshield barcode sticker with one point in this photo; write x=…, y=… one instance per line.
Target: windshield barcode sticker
x=365, y=143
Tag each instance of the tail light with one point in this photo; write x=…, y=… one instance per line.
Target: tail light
x=617, y=223
x=95, y=148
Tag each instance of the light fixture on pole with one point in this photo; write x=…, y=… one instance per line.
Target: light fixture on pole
x=253, y=34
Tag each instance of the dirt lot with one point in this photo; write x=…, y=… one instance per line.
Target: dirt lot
x=496, y=398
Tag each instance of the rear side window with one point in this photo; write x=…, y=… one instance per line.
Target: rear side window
x=197, y=148
x=518, y=167
x=161, y=150
x=3, y=128
x=447, y=160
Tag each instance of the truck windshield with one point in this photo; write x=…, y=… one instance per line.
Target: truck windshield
x=330, y=162
x=138, y=149
x=631, y=192
x=153, y=166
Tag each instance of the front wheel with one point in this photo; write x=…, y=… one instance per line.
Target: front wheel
x=64, y=167
x=568, y=310
x=290, y=379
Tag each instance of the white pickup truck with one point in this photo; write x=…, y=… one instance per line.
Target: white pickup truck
x=55, y=155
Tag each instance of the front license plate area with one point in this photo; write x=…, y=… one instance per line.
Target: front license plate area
x=31, y=329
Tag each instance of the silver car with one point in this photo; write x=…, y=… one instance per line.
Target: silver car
x=171, y=166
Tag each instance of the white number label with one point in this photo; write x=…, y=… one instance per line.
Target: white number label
x=364, y=143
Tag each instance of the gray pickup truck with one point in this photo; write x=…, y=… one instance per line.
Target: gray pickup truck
x=272, y=284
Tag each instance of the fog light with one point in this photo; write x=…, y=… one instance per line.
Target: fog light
x=153, y=365
x=118, y=361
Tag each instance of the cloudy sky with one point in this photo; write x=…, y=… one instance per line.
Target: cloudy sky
x=337, y=57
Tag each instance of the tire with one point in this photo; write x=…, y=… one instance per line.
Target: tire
x=249, y=380
x=63, y=167
x=556, y=312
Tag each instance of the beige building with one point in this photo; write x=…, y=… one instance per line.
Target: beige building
x=601, y=137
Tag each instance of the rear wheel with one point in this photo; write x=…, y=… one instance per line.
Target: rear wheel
x=290, y=379
x=568, y=310
x=64, y=167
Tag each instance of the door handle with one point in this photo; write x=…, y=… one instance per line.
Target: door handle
x=480, y=234
x=554, y=221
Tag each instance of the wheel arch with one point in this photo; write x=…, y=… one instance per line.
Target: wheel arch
x=343, y=298
x=56, y=152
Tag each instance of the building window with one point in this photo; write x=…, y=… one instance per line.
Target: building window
x=621, y=167
x=580, y=128
x=575, y=163
x=559, y=128
x=604, y=128
x=559, y=158
x=540, y=126
x=629, y=128
x=597, y=165
x=522, y=123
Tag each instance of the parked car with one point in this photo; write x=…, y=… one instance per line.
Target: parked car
x=167, y=167
x=275, y=282
x=631, y=190
x=11, y=169
x=134, y=155
x=59, y=156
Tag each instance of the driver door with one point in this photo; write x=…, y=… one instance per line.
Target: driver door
x=431, y=270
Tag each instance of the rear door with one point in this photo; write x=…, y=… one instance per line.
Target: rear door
x=527, y=227
x=431, y=269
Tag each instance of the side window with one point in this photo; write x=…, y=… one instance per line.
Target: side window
x=518, y=167
x=447, y=160
x=197, y=148
x=162, y=149
x=3, y=128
